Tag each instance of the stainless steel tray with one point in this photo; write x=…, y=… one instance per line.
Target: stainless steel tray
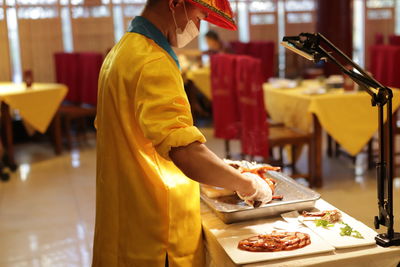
x=232, y=209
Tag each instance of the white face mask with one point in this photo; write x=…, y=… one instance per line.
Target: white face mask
x=188, y=34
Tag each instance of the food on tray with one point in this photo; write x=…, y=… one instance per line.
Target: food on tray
x=243, y=165
x=331, y=216
x=215, y=192
x=262, y=195
x=260, y=170
x=276, y=241
x=323, y=223
x=347, y=230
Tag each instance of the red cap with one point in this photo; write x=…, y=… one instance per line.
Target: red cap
x=219, y=12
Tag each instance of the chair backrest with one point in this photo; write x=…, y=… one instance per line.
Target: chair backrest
x=239, y=48
x=392, y=69
x=394, y=39
x=90, y=65
x=252, y=110
x=265, y=51
x=379, y=39
x=224, y=99
x=80, y=72
x=67, y=65
x=384, y=64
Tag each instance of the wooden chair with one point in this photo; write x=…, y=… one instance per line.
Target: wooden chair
x=80, y=72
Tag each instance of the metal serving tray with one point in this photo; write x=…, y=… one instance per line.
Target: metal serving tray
x=232, y=209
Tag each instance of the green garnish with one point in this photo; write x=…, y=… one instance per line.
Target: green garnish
x=347, y=230
x=323, y=223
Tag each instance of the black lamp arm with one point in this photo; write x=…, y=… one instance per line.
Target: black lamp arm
x=309, y=46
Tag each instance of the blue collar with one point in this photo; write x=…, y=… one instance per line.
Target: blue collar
x=144, y=27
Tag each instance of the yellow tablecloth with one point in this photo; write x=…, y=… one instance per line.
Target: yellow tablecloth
x=202, y=79
x=347, y=116
x=214, y=228
x=37, y=105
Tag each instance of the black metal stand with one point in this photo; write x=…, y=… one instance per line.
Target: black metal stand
x=309, y=45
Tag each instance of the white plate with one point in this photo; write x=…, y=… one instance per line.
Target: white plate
x=333, y=237
x=239, y=256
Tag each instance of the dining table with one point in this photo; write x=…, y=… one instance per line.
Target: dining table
x=201, y=77
x=37, y=105
x=347, y=116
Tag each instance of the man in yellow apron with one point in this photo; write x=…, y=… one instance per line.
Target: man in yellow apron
x=147, y=209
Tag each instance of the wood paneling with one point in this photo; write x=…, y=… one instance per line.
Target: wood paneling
x=39, y=40
x=5, y=71
x=335, y=21
x=382, y=26
x=295, y=64
x=93, y=34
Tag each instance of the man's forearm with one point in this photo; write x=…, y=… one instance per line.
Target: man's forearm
x=200, y=164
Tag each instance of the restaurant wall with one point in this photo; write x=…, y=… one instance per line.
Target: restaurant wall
x=95, y=25
x=337, y=28
x=380, y=19
x=5, y=72
x=92, y=28
x=39, y=40
x=298, y=18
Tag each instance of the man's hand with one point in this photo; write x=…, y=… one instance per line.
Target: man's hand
x=263, y=192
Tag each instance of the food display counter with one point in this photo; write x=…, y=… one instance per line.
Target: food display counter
x=221, y=245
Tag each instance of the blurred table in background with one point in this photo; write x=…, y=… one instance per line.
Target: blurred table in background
x=201, y=77
x=346, y=116
x=37, y=106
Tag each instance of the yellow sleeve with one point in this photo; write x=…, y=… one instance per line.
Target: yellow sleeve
x=162, y=108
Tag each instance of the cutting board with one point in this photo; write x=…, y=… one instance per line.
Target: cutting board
x=333, y=237
x=239, y=256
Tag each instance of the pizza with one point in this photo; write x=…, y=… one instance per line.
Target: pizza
x=276, y=241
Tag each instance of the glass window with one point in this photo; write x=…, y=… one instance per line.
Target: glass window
x=36, y=2
x=119, y=28
x=13, y=39
x=10, y=2
x=262, y=19
x=378, y=14
x=262, y=6
x=37, y=12
x=99, y=11
x=133, y=10
x=77, y=2
x=300, y=5
x=80, y=12
x=67, y=30
x=380, y=3
x=134, y=1
x=299, y=18
x=1, y=13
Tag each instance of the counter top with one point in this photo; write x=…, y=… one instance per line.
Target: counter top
x=214, y=228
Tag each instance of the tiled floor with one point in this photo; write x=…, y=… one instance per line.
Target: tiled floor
x=47, y=208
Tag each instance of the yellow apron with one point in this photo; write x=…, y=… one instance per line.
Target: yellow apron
x=145, y=206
